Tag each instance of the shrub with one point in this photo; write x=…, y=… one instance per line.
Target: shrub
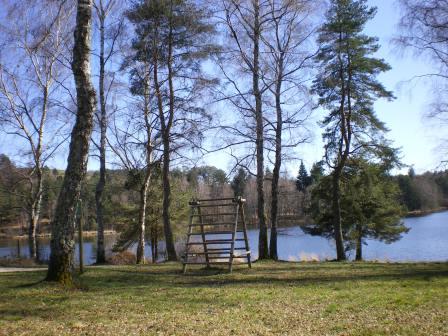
x=122, y=258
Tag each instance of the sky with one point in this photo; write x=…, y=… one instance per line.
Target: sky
x=417, y=137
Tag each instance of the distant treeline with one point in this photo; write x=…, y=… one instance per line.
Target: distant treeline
x=121, y=199
x=425, y=192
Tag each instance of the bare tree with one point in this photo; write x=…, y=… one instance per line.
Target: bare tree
x=244, y=22
x=110, y=27
x=288, y=61
x=136, y=144
x=424, y=30
x=62, y=239
x=32, y=77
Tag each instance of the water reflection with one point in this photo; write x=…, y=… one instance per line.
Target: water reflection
x=426, y=241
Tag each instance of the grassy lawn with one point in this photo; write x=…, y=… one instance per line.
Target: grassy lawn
x=271, y=299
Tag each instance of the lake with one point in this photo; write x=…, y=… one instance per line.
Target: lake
x=427, y=240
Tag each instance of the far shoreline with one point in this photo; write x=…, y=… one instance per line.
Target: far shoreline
x=410, y=214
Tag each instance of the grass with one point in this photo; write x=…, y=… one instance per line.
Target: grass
x=270, y=299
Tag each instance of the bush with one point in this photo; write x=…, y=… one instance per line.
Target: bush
x=122, y=258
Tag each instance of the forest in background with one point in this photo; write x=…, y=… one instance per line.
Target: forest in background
x=419, y=194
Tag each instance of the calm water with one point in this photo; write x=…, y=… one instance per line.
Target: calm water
x=426, y=241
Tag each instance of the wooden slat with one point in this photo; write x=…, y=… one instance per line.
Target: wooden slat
x=228, y=249
x=213, y=205
x=217, y=214
x=212, y=232
x=216, y=199
x=215, y=241
x=209, y=252
x=216, y=252
x=215, y=224
x=203, y=263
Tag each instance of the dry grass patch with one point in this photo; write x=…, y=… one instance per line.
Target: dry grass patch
x=271, y=299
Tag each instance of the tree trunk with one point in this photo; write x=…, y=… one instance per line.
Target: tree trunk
x=32, y=236
x=166, y=133
x=100, y=251
x=165, y=128
x=154, y=240
x=36, y=204
x=359, y=243
x=142, y=219
x=277, y=164
x=34, y=220
x=169, y=240
x=263, y=251
x=340, y=251
x=62, y=240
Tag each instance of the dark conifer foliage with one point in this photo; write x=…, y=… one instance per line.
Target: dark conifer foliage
x=347, y=88
x=303, y=179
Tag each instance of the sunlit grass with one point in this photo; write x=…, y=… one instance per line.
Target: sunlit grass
x=270, y=299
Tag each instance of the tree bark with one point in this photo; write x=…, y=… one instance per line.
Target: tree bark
x=263, y=251
x=166, y=188
x=359, y=243
x=277, y=164
x=100, y=252
x=169, y=239
x=340, y=251
x=34, y=216
x=61, y=264
x=166, y=133
x=142, y=219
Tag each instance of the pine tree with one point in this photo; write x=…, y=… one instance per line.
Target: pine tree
x=370, y=206
x=175, y=38
x=239, y=182
x=347, y=88
x=316, y=172
x=303, y=179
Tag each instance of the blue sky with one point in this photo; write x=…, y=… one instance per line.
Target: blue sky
x=409, y=130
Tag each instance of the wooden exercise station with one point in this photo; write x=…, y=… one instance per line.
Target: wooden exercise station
x=217, y=233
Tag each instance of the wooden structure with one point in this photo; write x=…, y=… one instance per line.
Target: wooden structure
x=217, y=233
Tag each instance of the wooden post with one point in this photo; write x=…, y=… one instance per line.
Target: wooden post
x=246, y=239
x=232, y=244
x=80, y=238
x=204, y=243
x=190, y=230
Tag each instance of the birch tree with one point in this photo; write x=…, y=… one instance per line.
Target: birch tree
x=110, y=27
x=288, y=62
x=423, y=30
x=62, y=244
x=32, y=78
x=240, y=64
x=136, y=143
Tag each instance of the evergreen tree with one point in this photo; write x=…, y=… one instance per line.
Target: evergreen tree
x=239, y=182
x=316, y=172
x=347, y=88
x=410, y=195
x=174, y=38
x=303, y=179
x=370, y=206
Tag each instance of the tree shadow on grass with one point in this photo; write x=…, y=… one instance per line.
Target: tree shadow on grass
x=274, y=274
